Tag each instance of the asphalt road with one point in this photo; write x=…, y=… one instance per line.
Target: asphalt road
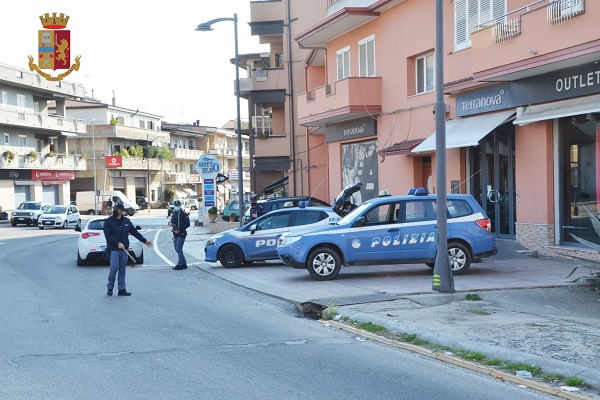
x=185, y=335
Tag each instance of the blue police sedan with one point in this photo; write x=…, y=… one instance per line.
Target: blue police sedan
x=389, y=230
x=257, y=240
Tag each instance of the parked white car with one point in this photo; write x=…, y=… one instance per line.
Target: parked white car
x=91, y=245
x=60, y=217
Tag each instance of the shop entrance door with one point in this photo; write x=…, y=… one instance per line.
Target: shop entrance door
x=493, y=181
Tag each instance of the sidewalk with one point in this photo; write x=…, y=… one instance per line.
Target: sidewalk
x=529, y=311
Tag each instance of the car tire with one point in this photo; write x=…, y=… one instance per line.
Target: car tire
x=140, y=259
x=90, y=212
x=80, y=261
x=231, y=256
x=41, y=228
x=78, y=225
x=324, y=264
x=65, y=225
x=459, y=257
x=225, y=218
x=430, y=265
x=37, y=221
x=13, y=223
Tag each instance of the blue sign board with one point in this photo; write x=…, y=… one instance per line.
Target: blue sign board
x=208, y=166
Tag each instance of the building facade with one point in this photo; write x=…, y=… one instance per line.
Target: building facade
x=37, y=162
x=522, y=85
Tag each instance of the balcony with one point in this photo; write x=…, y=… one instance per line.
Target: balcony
x=264, y=80
x=186, y=154
x=58, y=162
x=265, y=11
x=128, y=132
x=233, y=174
x=346, y=99
x=334, y=6
x=29, y=119
x=560, y=32
x=181, y=178
x=35, y=82
x=140, y=163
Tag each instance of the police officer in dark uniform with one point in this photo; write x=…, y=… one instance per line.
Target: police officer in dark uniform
x=256, y=210
x=116, y=230
x=180, y=221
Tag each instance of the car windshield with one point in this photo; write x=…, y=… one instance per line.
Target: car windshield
x=29, y=206
x=56, y=210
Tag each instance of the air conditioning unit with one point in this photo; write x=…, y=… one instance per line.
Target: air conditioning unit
x=50, y=140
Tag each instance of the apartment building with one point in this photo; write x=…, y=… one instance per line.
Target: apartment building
x=117, y=143
x=37, y=162
x=522, y=85
x=280, y=144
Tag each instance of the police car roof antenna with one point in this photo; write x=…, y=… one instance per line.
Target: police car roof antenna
x=312, y=194
x=460, y=184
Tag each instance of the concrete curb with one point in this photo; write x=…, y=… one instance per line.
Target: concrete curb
x=502, y=375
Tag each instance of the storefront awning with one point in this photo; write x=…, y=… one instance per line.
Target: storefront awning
x=273, y=187
x=189, y=191
x=180, y=194
x=559, y=109
x=465, y=132
x=69, y=134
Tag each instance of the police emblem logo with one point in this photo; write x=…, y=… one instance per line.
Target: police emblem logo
x=54, y=47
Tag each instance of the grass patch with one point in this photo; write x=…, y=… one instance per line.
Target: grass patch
x=534, y=325
x=472, y=297
x=520, y=366
x=477, y=311
x=493, y=362
x=371, y=327
x=551, y=378
x=475, y=356
x=574, y=381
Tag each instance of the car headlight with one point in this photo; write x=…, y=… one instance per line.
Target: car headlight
x=213, y=239
x=31, y=214
x=287, y=240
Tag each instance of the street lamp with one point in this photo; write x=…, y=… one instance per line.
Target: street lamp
x=95, y=184
x=205, y=27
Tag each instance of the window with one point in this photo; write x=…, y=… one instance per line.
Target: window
x=150, y=125
x=366, y=57
x=191, y=168
x=274, y=221
x=22, y=142
x=309, y=217
x=343, y=63
x=4, y=99
x=142, y=124
x=181, y=167
x=21, y=102
x=470, y=15
x=383, y=214
x=420, y=210
x=176, y=168
x=191, y=144
x=279, y=60
x=424, y=73
x=116, y=148
x=6, y=139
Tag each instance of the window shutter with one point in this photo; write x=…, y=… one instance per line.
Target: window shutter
x=499, y=10
x=371, y=58
x=340, y=66
x=346, y=64
x=485, y=14
x=472, y=18
x=362, y=60
x=460, y=20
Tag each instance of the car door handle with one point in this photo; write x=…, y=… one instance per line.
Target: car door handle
x=393, y=230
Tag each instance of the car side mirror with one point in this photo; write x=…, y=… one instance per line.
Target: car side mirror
x=361, y=221
x=138, y=227
x=253, y=228
x=77, y=229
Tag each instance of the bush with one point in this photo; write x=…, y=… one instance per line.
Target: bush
x=212, y=210
x=169, y=194
x=32, y=155
x=8, y=156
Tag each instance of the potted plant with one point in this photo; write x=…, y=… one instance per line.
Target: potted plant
x=212, y=213
x=8, y=156
x=51, y=154
x=32, y=155
x=232, y=217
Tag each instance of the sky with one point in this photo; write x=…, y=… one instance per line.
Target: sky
x=146, y=51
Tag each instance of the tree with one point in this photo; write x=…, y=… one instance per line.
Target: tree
x=164, y=153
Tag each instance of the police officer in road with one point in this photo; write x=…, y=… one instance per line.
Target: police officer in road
x=116, y=230
x=180, y=221
x=256, y=210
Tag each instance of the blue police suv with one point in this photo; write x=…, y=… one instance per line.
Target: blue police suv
x=389, y=230
x=257, y=240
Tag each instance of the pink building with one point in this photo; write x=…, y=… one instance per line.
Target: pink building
x=522, y=84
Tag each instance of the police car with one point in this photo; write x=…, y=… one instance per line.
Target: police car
x=257, y=240
x=390, y=230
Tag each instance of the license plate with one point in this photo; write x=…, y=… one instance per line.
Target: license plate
x=21, y=219
x=47, y=222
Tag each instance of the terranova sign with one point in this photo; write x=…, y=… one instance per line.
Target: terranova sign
x=208, y=166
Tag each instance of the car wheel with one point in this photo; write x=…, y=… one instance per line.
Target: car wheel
x=231, y=256
x=430, y=265
x=78, y=225
x=41, y=228
x=80, y=261
x=65, y=225
x=91, y=212
x=37, y=221
x=140, y=259
x=459, y=258
x=324, y=264
x=13, y=223
x=225, y=218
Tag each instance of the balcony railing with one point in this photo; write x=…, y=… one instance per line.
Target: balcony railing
x=263, y=125
x=506, y=29
x=141, y=163
x=265, y=79
x=30, y=119
x=34, y=81
x=187, y=154
x=562, y=10
x=181, y=177
x=59, y=162
x=334, y=6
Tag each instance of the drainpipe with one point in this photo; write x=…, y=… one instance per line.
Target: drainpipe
x=291, y=96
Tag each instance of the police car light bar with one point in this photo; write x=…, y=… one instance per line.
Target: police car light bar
x=418, y=192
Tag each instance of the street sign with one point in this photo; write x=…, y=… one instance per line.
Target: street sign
x=221, y=178
x=208, y=166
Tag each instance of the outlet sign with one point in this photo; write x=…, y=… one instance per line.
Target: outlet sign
x=208, y=166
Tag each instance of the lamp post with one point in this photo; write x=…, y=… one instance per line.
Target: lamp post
x=95, y=183
x=205, y=27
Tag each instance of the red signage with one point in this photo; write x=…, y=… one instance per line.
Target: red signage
x=50, y=175
x=114, y=161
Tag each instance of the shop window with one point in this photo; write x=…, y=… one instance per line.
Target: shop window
x=366, y=57
x=471, y=15
x=580, y=138
x=343, y=63
x=424, y=73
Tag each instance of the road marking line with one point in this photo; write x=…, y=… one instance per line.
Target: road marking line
x=158, y=251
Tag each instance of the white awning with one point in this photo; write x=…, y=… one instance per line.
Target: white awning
x=559, y=109
x=69, y=134
x=189, y=191
x=465, y=132
x=180, y=194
